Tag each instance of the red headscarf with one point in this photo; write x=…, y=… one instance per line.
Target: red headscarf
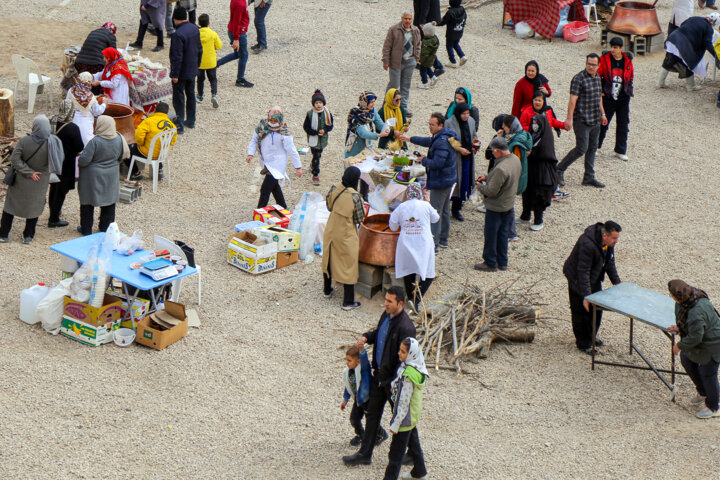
x=115, y=65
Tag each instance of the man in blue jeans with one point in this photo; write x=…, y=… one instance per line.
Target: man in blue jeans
x=261, y=10
x=499, y=187
x=185, y=54
x=237, y=31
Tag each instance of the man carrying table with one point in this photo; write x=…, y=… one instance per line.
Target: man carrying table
x=592, y=257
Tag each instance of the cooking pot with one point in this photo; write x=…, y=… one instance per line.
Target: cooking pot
x=123, y=116
x=635, y=18
x=377, y=241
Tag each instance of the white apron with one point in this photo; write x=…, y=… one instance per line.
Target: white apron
x=415, y=252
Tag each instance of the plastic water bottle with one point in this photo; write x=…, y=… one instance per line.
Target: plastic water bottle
x=29, y=299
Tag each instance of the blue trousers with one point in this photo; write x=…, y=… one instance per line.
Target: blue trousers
x=241, y=56
x=426, y=72
x=260, y=13
x=497, y=229
x=453, y=46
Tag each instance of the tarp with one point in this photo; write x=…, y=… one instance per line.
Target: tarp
x=543, y=15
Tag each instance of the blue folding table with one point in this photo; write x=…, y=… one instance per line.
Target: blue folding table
x=638, y=303
x=119, y=268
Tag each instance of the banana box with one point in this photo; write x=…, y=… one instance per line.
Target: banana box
x=251, y=254
x=287, y=240
x=139, y=309
x=273, y=215
x=93, y=335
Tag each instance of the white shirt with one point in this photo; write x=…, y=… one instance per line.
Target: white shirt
x=682, y=10
x=118, y=85
x=415, y=251
x=86, y=121
x=275, y=149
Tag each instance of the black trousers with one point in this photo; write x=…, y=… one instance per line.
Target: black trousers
x=705, y=378
x=107, y=216
x=530, y=206
x=422, y=286
x=405, y=441
x=315, y=163
x=456, y=205
x=621, y=107
x=184, y=103
x=212, y=78
x=271, y=185
x=379, y=395
x=7, y=221
x=56, y=199
x=348, y=290
x=582, y=319
x=356, y=415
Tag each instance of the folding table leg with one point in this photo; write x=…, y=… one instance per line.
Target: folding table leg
x=130, y=300
x=631, y=334
x=594, y=327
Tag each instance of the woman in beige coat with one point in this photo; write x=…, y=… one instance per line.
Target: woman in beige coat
x=340, y=241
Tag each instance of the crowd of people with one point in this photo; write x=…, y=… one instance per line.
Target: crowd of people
x=81, y=144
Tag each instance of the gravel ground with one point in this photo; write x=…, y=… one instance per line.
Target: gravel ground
x=255, y=392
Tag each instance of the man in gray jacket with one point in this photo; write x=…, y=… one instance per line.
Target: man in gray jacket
x=400, y=55
x=499, y=187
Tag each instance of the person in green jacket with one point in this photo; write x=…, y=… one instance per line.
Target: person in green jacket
x=407, y=405
x=430, y=45
x=698, y=324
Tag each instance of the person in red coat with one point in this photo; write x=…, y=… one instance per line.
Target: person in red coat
x=616, y=73
x=539, y=105
x=526, y=87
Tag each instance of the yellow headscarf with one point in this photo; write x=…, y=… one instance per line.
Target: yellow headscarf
x=391, y=111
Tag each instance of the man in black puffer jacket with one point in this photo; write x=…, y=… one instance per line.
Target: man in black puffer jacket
x=592, y=257
x=90, y=59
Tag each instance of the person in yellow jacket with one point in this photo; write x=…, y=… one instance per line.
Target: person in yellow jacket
x=145, y=132
x=210, y=43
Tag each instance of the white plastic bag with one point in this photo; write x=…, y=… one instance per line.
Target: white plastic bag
x=377, y=200
x=128, y=245
x=113, y=236
x=50, y=309
x=303, y=221
x=523, y=30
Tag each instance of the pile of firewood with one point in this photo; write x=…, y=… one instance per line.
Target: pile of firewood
x=6, y=148
x=469, y=321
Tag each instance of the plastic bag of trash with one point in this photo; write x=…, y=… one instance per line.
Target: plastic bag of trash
x=128, y=245
x=303, y=221
x=523, y=30
x=50, y=309
x=377, y=200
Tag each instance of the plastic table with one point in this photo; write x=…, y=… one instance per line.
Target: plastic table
x=119, y=268
x=647, y=306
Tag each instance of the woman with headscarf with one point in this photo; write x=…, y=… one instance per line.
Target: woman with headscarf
x=542, y=174
x=698, y=324
x=72, y=144
x=392, y=108
x=464, y=125
x=415, y=252
x=685, y=50
x=462, y=95
x=25, y=198
x=90, y=59
x=86, y=106
x=539, y=105
x=363, y=125
x=115, y=77
x=99, y=178
x=340, y=239
x=273, y=140
x=526, y=87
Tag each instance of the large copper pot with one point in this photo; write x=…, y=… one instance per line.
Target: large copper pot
x=123, y=116
x=635, y=18
x=377, y=241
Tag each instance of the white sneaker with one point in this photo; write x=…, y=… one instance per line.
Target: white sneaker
x=463, y=60
x=433, y=81
x=423, y=86
x=622, y=157
x=536, y=228
x=451, y=65
x=481, y=209
x=408, y=476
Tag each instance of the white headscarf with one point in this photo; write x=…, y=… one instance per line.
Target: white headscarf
x=414, y=359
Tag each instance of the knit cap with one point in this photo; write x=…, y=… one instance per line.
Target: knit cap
x=429, y=30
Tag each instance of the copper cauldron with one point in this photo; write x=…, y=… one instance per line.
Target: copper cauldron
x=377, y=241
x=635, y=18
x=123, y=116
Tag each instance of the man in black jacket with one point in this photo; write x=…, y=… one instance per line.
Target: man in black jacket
x=585, y=268
x=394, y=327
x=185, y=54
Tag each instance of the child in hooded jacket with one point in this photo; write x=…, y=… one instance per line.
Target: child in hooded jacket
x=430, y=45
x=318, y=123
x=358, y=376
x=454, y=20
x=407, y=406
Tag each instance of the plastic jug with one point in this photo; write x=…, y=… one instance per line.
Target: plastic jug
x=29, y=299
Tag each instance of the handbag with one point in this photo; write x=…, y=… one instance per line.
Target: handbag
x=11, y=174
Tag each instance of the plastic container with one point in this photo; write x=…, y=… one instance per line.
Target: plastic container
x=29, y=299
x=576, y=31
x=124, y=337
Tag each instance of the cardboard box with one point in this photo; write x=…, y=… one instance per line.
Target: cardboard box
x=273, y=215
x=108, y=313
x=286, y=258
x=251, y=254
x=158, y=336
x=241, y=227
x=139, y=309
x=287, y=240
x=89, y=334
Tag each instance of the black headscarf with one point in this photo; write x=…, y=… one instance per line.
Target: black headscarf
x=465, y=136
x=543, y=141
x=351, y=177
x=687, y=297
x=539, y=79
x=545, y=107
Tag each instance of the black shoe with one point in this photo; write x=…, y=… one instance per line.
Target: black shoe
x=59, y=223
x=161, y=175
x=439, y=72
x=587, y=351
x=136, y=177
x=381, y=437
x=189, y=125
x=408, y=460
x=458, y=216
x=503, y=268
x=599, y=343
x=158, y=48
x=255, y=47
x=259, y=49
x=136, y=45
x=244, y=83
x=180, y=131
x=27, y=240
x=356, y=459
x=356, y=441
x=79, y=229
x=561, y=178
x=484, y=267
x=408, y=114
x=593, y=183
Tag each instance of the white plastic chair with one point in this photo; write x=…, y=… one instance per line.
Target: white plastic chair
x=165, y=138
x=162, y=243
x=29, y=74
x=591, y=6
